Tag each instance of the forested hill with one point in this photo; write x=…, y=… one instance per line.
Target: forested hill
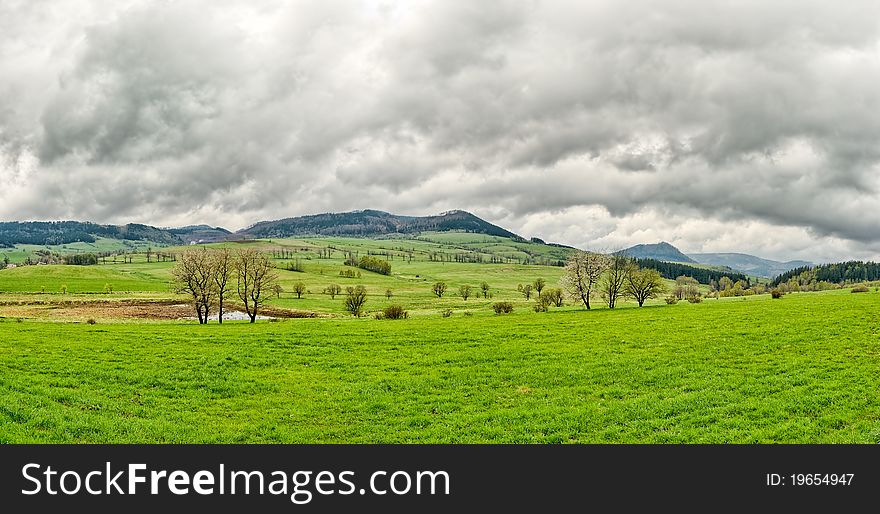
x=673, y=270
x=837, y=273
x=370, y=223
x=64, y=232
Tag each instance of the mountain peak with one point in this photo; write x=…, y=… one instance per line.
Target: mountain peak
x=662, y=251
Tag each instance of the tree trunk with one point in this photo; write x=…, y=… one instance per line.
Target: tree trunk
x=220, y=314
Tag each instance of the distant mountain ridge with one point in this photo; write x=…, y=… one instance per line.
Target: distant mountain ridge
x=371, y=223
x=749, y=263
x=742, y=262
x=366, y=223
x=64, y=232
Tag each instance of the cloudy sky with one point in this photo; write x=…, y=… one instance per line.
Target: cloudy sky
x=747, y=126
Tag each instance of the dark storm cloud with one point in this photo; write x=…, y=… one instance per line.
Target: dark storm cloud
x=605, y=121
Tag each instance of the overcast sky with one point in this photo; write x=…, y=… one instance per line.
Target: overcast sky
x=748, y=126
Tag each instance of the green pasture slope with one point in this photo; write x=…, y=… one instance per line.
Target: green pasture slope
x=803, y=368
x=86, y=279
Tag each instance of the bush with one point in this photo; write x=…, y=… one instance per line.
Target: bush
x=671, y=300
x=447, y=313
x=468, y=313
x=502, y=307
x=776, y=293
x=695, y=299
x=861, y=288
x=91, y=321
x=394, y=312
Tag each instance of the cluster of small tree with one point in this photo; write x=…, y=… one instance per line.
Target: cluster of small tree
x=207, y=275
x=551, y=297
x=333, y=290
x=374, y=264
x=294, y=265
x=81, y=259
x=348, y=273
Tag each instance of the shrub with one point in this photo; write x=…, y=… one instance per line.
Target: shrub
x=671, y=300
x=502, y=307
x=91, y=321
x=468, y=313
x=108, y=288
x=64, y=289
x=395, y=312
x=389, y=293
x=861, y=288
x=555, y=296
x=333, y=290
x=695, y=299
x=447, y=313
x=776, y=293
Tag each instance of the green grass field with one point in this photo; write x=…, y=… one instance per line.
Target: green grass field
x=745, y=369
x=799, y=369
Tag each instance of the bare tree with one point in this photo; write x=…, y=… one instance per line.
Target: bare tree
x=484, y=287
x=539, y=285
x=333, y=290
x=355, y=298
x=642, y=284
x=527, y=291
x=194, y=275
x=299, y=288
x=464, y=291
x=256, y=277
x=582, y=273
x=439, y=288
x=614, y=280
x=223, y=269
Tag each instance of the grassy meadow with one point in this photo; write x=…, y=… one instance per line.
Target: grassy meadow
x=802, y=368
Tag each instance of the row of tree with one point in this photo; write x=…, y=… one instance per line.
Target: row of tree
x=610, y=277
x=838, y=273
x=208, y=277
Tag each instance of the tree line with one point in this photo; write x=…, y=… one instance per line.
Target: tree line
x=836, y=273
x=673, y=270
